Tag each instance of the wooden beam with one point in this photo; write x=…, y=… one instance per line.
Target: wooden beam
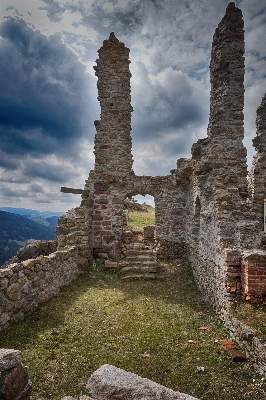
x=73, y=191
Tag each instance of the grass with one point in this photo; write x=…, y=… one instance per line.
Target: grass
x=151, y=328
x=253, y=315
x=139, y=219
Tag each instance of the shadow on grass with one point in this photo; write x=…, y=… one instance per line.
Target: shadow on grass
x=178, y=287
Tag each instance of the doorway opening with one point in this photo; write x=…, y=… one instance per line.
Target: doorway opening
x=140, y=218
x=142, y=212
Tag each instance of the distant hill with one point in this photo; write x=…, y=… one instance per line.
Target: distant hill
x=16, y=229
x=47, y=218
x=27, y=212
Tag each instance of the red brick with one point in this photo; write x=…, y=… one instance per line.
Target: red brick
x=260, y=272
x=106, y=223
x=98, y=217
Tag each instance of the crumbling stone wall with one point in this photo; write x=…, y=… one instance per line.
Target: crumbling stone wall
x=25, y=285
x=74, y=229
x=218, y=184
x=257, y=179
x=32, y=249
x=252, y=233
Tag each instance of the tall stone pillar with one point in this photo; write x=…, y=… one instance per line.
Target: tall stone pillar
x=108, y=183
x=227, y=70
x=113, y=140
x=226, y=124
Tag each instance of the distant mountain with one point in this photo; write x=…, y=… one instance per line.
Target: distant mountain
x=53, y=221
x=27, y=212
x=47, y=218
x=16, y=229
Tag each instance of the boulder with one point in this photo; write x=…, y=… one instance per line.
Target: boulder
x=109, y=382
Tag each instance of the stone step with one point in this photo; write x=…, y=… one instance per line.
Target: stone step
x=140, y=262
x=139, y=277
x=139, y=246
x=136, y=261
x=135, y=252
x=141, y=257
x=139, y=269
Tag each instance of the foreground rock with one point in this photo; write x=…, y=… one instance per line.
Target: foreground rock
x=109, y=382
x=14, y=377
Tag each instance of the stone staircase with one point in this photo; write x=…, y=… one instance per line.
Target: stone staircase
x=140, y=262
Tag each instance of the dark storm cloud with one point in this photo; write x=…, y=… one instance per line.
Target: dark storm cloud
x=7, y=161
x=44, y=99
x=171, y=105
x=36, y=187
x=45, y=170
x=125, y=21
x=7, y=191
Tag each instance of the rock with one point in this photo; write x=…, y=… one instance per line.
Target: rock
x=68, y=398
x=35, y=248
x=13, y=291
x=110, y=264
x=9, y=358
x=109, y=382
x=14, y=377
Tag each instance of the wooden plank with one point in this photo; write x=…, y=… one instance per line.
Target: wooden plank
x=73, y=191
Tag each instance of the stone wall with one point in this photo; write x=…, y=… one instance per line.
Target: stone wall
x=32, y=249
x=74, y=229
x=25, y=285
x=257, y=178
x=218, y=192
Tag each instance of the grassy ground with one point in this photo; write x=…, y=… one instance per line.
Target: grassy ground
x=253, y=315
x=139, y=219
x=151, y=328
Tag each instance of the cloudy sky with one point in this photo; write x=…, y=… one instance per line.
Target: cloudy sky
x=49, y=95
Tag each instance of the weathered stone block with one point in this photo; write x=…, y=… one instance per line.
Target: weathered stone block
x=110, y=264
x=13, y=291
x=13, y=382
x=109, y=382
x=9, y=358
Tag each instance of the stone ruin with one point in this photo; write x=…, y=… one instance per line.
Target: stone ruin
x=209, y=208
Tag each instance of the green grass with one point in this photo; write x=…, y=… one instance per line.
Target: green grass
x=253, y=315
x=139, y=219
x=144, y=327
